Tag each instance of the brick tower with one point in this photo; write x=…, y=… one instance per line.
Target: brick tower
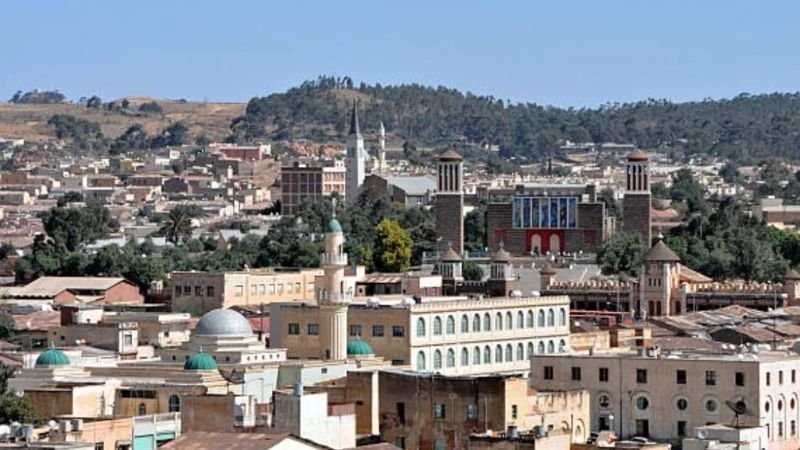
x=637, y=200
x=450, y=203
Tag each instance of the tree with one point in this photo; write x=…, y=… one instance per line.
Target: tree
x=471, y=271
x=134, y=138
x=729, y=172
x=151, y=108
x=7, y=326
x=611, y=203
x=178, y=224
x=392, y=247
x=173, y=136
x=475, y=228
x=73, y=226
x=94, y=102
x=622, y=254
x=16, y=409
x=125, y=103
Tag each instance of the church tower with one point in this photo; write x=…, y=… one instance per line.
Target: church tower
x=637, y=199
x=449, y=205
x=332, y=295
x=382, y=149
x=355, y=159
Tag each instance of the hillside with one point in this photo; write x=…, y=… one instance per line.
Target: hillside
x=29, y=121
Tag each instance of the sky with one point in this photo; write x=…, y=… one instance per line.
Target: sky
x=559, y=52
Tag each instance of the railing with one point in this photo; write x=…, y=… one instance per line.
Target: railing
x=329, y=259
x=157, y=423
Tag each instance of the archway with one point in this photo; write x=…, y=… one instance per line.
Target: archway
x=555, y=243
x=536, y=244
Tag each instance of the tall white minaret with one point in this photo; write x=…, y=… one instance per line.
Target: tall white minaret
x=382, y=150
x=332, y=295
x=355, y=159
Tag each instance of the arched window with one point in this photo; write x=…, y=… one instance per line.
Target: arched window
x=498, y=322
x=464, y=324
x=520, y=352
x=142, y=409
x=530, y=350
x=437, y=326
x=498, y=354
x=541, y=348
x=562, y=346
x=476, y=355
x=476, y=323
x=464, y=357
x=541, y=318
x=509, y=353
x=451, y=325
x=174, y=403
x=509, y=321
x=562, y=317
x=487, y=322
x=421, y=361
x=487, y=355
x=551, y=347
x=529, y=319
x=520, y=319
x=551, y=318
x=420, y=327
x=451, y=358
x=437, y=359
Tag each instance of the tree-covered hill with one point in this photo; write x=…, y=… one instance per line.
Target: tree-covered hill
x=746, y=128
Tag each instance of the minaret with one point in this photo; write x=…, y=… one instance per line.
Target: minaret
x=332, y=296
x=449, y=205
x=355, y=159
x=382, y=150
x=501, y=277
x=637, y=199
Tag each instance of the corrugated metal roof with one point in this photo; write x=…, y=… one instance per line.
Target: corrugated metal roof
x=50, y=286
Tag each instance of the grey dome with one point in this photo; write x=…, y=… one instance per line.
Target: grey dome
x=223, y=322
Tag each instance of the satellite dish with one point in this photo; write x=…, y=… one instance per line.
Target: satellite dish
x=739, y=408
x=702, y=434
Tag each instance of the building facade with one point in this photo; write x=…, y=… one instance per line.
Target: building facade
x=308, y=182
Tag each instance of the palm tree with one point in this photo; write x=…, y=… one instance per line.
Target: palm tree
x=178, y=224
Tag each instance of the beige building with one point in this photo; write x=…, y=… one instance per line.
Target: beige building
x=666, y=396
x=199, y=292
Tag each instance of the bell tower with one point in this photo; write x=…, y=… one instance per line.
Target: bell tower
x=450, y=202
x=333, y=297
x=637, y=199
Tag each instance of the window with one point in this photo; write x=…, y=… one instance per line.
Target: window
x=681, y=428
x=498, y=322
x=711, y=405
x=476, y=356
x=451, y=325
x=487, y=322
x=711, y=378
x=780, y=429
x=464, y=357
x=476, y=323
x=355, y=330
x=551, y=347
x=780, y=377
x=541, y=348
x=642, y=403
x=681, y=404
x=541, y=318
x=198, y=291
x=451, y=358
x=464, y=324
x=142, y=409
x=177, y=291
x=604, y=401
x=509, y=321
x=209, y=291
x=529, y=319
x=437, y=326
x=398, y=331
x=437, y=359
x=551, y=318
x=514, y=411
x=313, y=329
x=99, y=446
x=680, y=376
x=487, y=355
x=377, y=331
x=768, y=378
x=187, y=290
x=576, y=374
x=794, y=376
x=739, y=378
x=294, y=328
x=420, y=327
x=520, y=352
x=472, y=411
x=238, y=290
x=498, y=354
x=643, y=427
x=641, y=376
x=421, y=361
x=439, y=411
x=602, y=374
x=530, y=350
x=792, y=428
x=128, y=339
x=174, y=403
x=562, y=317
x=401, y=412
x=548, y=372
x=520, y=320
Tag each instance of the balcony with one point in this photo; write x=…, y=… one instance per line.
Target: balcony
x=330, y=260
x=167, y=425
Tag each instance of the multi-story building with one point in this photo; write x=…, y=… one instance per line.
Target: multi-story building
x=199, y=292
x=666, y=395
x=302, y=182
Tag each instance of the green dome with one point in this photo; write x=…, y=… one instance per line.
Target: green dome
x=357, y=347
x=200, y=361
x=52, y=357
x=333, y=226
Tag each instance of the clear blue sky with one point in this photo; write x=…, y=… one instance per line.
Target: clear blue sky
x=566, y=53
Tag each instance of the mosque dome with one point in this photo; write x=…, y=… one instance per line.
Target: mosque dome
x=52, y=357
x=333, y=226
x=357, y=347
x=201, y=362
x=223, y=322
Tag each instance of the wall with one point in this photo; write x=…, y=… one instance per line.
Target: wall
x=123, y=292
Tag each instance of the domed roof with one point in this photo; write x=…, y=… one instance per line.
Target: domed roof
x=501, y=255
x=660, y=252
x=223, y=322
x=637, y=155
x=52, y=357
x=450, y=255
x=357, y=347
x=200, y=361
x=450, y=155
x=333, y=226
